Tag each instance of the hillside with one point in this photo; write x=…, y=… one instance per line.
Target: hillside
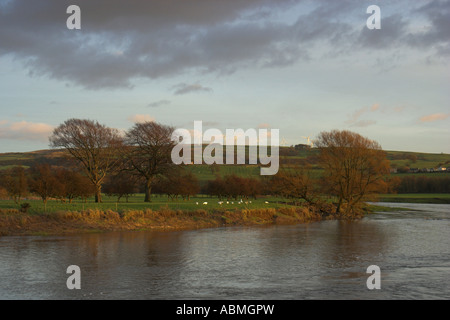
x=289, y=156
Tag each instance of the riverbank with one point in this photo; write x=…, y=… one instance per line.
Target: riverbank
x=432, y=198
x=15, y=223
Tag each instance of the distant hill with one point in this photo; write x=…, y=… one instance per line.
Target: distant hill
x=289, y=156
x=28, y=159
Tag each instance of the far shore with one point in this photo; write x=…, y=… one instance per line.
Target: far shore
x=435, y=198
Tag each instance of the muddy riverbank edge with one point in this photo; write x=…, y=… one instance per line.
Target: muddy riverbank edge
x=16, y=223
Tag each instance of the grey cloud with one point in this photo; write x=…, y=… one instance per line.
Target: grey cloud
x=184, y=88
x=120, y=42
x=159, y=103
x=392, y=33
x=437, y=33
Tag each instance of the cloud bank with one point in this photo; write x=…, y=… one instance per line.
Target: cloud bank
x=434, y=117
x=184, y=88
x=140, y=118
x=25, y=130
x=158, y=104
x=119, y=43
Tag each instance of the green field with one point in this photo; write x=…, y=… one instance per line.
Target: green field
x=136, y=203
x=204, y=173
x=424, y=160
x=288, y=157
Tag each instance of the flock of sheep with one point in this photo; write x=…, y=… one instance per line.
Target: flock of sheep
x=231, y=202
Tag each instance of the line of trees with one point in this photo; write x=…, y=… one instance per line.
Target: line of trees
x=420, y=184
x=140, y=160
x=46, y=182
x=53, y=182
x=143, y=151
x=15, y=182
x=234, y=187
x=178, y=184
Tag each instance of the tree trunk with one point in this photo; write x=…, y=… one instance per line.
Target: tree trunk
x=148, y=191
x=98, y=193
x=338, y=208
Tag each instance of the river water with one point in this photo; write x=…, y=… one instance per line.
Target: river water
x=321, y=260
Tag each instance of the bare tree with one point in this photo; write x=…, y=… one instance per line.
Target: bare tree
x=354, y=167
x=148, y=152
x=92, y=144
x=44, y=182
x=73, y=185
x=122, y=184
x=16, y=183
x=296, y=185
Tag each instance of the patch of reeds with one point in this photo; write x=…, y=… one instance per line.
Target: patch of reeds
x=12, y=219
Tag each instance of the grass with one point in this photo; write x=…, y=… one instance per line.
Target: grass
x=377, y=208
x=424, y=174
x=6, y=167
x=443, y=198
x=136, y=203
x=14, y=222
x=424, y=160
x=162, y=214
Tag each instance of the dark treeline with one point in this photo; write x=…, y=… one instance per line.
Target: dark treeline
x=235, y=187
x=177, y=184
x=421, y=184
x=45, y=181
x=53, y=182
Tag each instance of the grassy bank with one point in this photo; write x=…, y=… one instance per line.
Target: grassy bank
x=136, y=202
x=372, y=208
x=438, y=198
x=14, y=222
x=199, y=212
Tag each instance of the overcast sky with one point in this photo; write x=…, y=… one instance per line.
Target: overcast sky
x=298, y=66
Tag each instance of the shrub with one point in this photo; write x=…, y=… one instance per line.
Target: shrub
x=24, y=207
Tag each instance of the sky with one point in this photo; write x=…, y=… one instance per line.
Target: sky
x=299, y=66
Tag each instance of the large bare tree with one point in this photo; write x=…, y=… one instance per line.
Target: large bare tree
x=94, y=145
x=354, y=167
x=148, y=152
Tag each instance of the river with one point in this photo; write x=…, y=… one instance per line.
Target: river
x=320, y=260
